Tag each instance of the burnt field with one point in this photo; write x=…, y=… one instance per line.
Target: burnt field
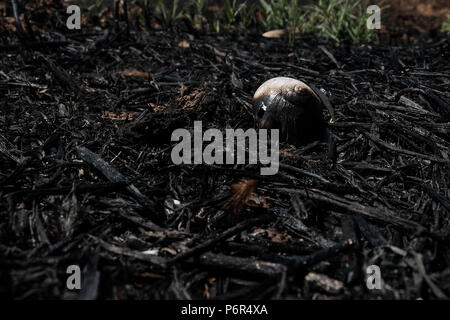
x=87, y=179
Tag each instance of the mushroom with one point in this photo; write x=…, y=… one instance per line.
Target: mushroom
x=295, y=109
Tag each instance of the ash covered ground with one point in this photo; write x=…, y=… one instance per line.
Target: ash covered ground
x=87, y=178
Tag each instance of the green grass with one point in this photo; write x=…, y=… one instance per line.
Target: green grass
x=195, y=11
x=95, y=7
x=334, y=19
x=446, y=24
x=238, y=16
x=168, y=14
x=234, y=15
x=337, y=19
x=280, y=14
x=283, y=14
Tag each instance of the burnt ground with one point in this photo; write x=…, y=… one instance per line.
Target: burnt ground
x=141, y=227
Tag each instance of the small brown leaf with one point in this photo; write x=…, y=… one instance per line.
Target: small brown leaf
x=278, y=33
x=183, y=90
x=117, y=116
x=274, y=33
x=184, y=44
x=241, y=194
x=135, y=73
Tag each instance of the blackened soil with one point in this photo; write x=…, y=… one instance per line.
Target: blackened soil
x=163, y=231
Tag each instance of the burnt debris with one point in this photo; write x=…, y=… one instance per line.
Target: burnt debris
x=86, y=176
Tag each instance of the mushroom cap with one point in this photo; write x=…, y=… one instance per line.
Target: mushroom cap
x=292, y=106
x=289, y=88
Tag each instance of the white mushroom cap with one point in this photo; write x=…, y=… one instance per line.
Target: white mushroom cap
x=288, y=87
